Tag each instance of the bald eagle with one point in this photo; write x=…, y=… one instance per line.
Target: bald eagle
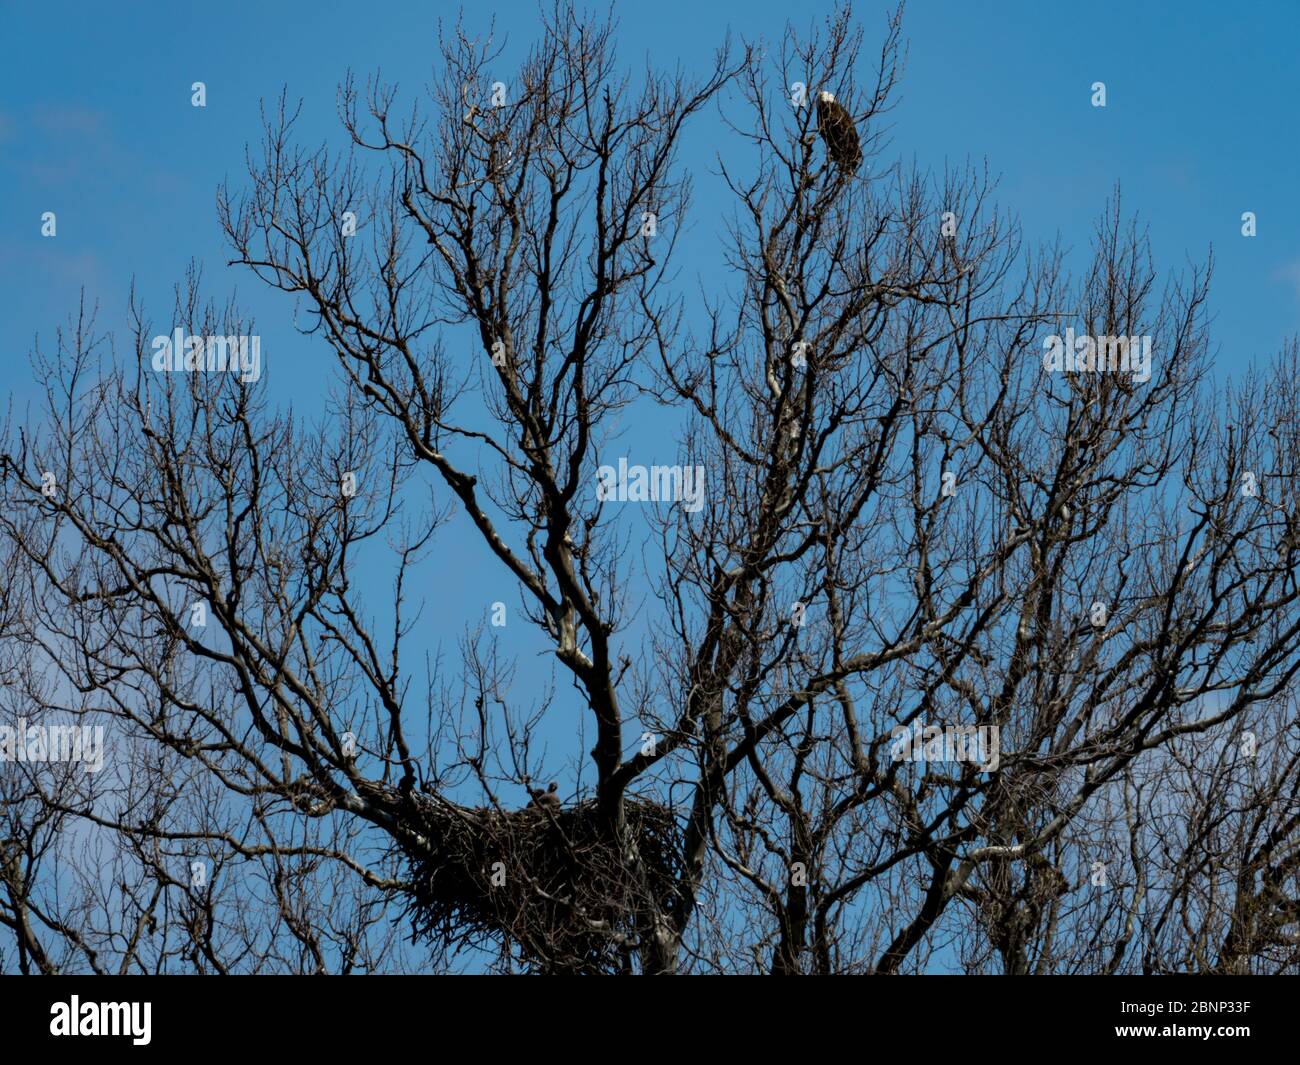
x=836, y=127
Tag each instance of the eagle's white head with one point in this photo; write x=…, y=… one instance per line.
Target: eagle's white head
x=825, y=97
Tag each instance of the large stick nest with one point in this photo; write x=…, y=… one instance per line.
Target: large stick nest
x=552, y=882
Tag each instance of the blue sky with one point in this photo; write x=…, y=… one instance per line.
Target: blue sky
x=96, y=125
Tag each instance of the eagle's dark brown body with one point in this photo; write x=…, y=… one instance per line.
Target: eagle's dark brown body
x=835, y=125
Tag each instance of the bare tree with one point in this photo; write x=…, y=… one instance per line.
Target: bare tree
x=910, y=525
